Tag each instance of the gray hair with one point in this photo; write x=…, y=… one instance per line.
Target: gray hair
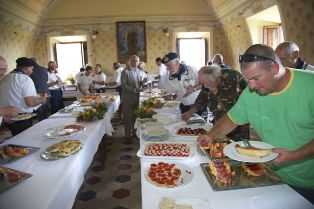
x=213, y=70
x=35, y=59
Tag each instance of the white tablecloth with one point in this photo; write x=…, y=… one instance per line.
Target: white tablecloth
x=54, y=184
x=270, y=197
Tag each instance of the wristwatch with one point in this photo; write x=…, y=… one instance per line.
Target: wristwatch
x=194, y=89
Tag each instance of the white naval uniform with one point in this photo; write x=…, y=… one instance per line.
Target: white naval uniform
x=188, y=78
x=85, y=82
x=14, y=87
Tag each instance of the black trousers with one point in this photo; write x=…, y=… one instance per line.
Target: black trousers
x=305, y=192
x=19, y=126
x=101, y=90
x=56, y=102
x=42, y=112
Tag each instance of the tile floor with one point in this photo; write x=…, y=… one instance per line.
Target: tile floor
x=117, y=185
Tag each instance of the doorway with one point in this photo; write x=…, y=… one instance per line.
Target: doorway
x=192, y=48
x=70, y=53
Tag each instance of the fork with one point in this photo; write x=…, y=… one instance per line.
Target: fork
x=247, y=143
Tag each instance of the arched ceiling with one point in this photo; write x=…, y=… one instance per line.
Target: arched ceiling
x=46, y=12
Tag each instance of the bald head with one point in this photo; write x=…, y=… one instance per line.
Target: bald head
x=288, y=53
x=3, y=67
x=134, y=60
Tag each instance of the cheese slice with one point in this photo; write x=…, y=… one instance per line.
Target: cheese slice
x=252, y=151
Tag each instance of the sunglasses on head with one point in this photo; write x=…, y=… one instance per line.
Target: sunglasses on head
x=253, y=58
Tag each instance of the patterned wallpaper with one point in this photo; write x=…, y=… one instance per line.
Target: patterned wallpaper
x=298, y=20
x=15, y=41
x=233, y=37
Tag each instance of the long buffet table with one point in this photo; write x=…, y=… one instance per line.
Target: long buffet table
x=54, y=184
x=200, y=193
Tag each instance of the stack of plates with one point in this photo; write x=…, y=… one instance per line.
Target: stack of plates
x=155, y=133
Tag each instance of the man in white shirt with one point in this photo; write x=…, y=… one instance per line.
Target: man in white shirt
x=18, y=89
x=182, y=81
x=77, y=76
x=56, y=100
x=162, y=73
x=85, y=82
x=117, y=76
x=143, y=73
x=99, y=80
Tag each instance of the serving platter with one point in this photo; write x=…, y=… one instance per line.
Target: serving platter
x=186, y=129
x=62, y=149
x=12, y=152
x=185, y=176
x=64, y=131
x=215, y=151
x=10, y=177
x=167, y=150
x=241, y=179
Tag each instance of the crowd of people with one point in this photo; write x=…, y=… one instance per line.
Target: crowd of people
x=271, y=93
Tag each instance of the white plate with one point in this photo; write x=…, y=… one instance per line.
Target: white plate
x=55, y=132
x=196, y=203
x=165, y=118
x=140, y=153
x=232, y=153
x=27, y=116
x=155, y=133
x=184, y=178
x=174, y=131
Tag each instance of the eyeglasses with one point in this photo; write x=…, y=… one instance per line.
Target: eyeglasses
x=253, y=58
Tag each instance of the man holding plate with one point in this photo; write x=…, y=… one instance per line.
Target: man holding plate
x=279, y=104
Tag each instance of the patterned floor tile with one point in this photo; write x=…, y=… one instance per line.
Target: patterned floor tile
x=125, y=157
x=88, y=195
x=93, y=180
x=123, y=178
x=124, y=166
x=121, y=193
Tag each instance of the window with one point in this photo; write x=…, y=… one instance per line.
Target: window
x=273, y=35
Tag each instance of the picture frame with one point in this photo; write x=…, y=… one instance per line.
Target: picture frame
x=131, y=40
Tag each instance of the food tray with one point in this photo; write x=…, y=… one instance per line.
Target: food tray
x=155, y=134
x=5, y=183
x=23, y=116
x=207, y=151
x=191, y=146
x=4, y=158
x=47, y=155
x=174, y=131
x=241, y=180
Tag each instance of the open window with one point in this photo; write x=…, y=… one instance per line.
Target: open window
x=266, y=28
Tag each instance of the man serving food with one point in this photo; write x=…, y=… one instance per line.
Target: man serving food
x=279, y=104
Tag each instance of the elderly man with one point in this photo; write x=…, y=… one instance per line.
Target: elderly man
x=130, y=83
x=40, y=79
x=17, y=89
x=219, y=60
x=182, y=81
x=220, y=91
x=269, y=105
x=288, y=53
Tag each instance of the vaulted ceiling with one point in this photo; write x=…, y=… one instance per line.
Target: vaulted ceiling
x=47, y=12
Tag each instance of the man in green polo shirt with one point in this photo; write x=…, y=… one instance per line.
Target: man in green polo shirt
x=279, y=104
